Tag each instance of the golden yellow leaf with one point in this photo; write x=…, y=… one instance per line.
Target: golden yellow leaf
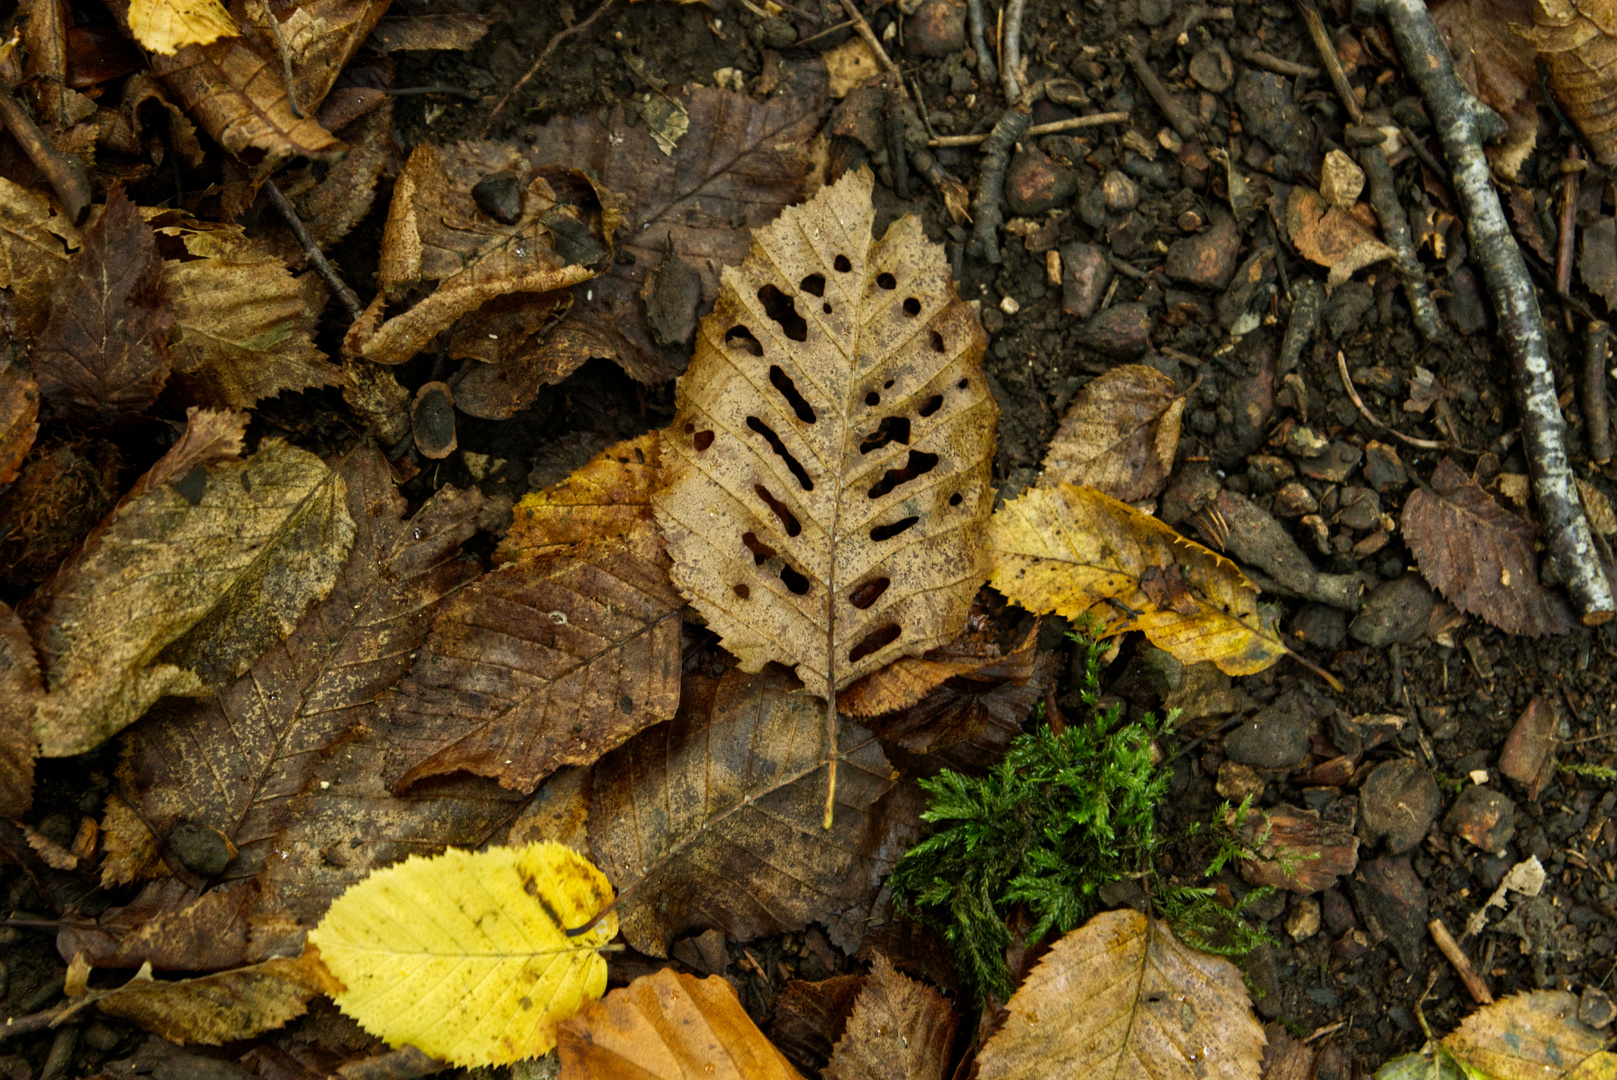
x=1121, y=998
x=610, y=496
x=1076, y=552
x=165, y=25
x=1531, y=1036
x=466, y=956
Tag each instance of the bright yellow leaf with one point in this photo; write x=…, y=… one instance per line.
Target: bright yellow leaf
x=164, y=26
x=466, y=956
x=1075, y=552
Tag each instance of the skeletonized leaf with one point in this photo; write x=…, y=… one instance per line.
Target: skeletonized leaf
x=714, y=819
x=546, y=662
x=900, y=1029
x=669, y=1026
x=104, y=354
x=20, y=691
x=231, y=762
x=1480, y=556
x=1532, y=1036
x=1121, y=998
x=1119, y=436
x=825, y=484
x=1074, y=551
x=224, y=1007
x=164, y=25
x=610, y=496
x=467, y=956
x=19, y=418
x=185, y=583
x=34, y=244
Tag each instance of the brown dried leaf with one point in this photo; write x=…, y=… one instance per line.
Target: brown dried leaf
x=1496, y=65
x=35, y=240
x=19, y=418
x=243, y=324
x=1119, y=436
x=1121, y=997
x=1322, y=233
x=1480, y=556
x=185, y=583
x=809, y=1018
x=1296, y=850
x=333, y=205
x=453, y=31
x=173, y=928
x=437, y=232
x=231, y=762
x=1597, y=258
x=714, y=820
x=825, y=489
x=104, y=354
x=698, y=199
x=1578, y=39
x=900, y=1030
x=546, y=662
x=609, y=497
x=910, y=678
x=216, y=1009
x=668, y=1026
x=20, y=691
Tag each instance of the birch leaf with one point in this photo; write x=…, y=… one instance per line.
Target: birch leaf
x=222, y=1007
x=467, y=956
x=900, y=1029
x=1531, y=1036
x=164, y=25
x=1074, y=552
x=825, y=488
x=1119, y=436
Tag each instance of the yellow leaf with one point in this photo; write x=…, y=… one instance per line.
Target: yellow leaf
x=1075, y=552
x=609, y=496
x=466, y=956
x=164, y=26
x=1531, y=1036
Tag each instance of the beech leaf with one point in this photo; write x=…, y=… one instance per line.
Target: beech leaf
x=1074, y=552
x=1121, y=997
x=1119, y=435
x=467, y=957
x=1578, y=41
x=20, y=691
x=825, y=485
x=900, y=1029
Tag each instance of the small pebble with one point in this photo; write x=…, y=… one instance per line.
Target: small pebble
x=1086, y=272
x=1035, y=183
x=1595, y=1007
x=1483, y=816
x=937, y=28
x=1303, y=922
x=1119, y=191
x=500, y=197
x=1212, y=69
x=1341, y=180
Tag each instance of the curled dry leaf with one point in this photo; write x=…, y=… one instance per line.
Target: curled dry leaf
x=688, y=819
x=668, y=1026
x=1480, y=556
x=1578, y=39
x=34, y=243
x=1344, y=241
x=20, y=691
x=740, y=162
x=469, y=957
x=1121, y=997
x=162, y=26
x=19, y=418
x=1119, y=436
x=1075, y=552
x=609, y=497
x=900, y=1029
x=204, y=565
x=825, y=484
x=104, y=354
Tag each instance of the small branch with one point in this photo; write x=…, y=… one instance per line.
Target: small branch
x=286, y=61
x=1592, y=394
x=1568, y=225
x=1306, y=309
x=1333, y=63
x=1395, y=230
x=1465, y=123
x=955, y=195
x=1009, y=131
x=539, y=61
x=1010, y=75
x=1177, y=115
x=1052, y=128
x=986, y=68
x=1474, y=984
x=1288, y=68
x=1353, y=392
x=437, y=88
x=67, y=177
x=897, y=154
x=830, y=758
x=312, y=250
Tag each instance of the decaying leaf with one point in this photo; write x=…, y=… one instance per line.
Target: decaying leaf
x=34, y=243
x=332, y=205
x=1480, y=556
x=1498, y=66
x=468, y=956
x=825, y=481
x=1075, y=552
x=609, y=497
x=1119, y=436
x=910, y=678
x=231, y=762
x=1531, y=1036
x=1121, y=997
x=1578, y=39
x=1597, y=257
x=669, y=1026
x=478, y=246
x=900, y=1029
x=740, y=163
x=1344, y=241
x=457, y=30
x=20, y=691
x=208, y=562
x=19, y=418
x=164, y=25
x=104, y=354
x=691, y=820
x=545, y=662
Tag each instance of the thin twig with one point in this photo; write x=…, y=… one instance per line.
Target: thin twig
x=1568, y=225
x=1332, y=62
x=1592, y=394
x=996, y=150
x=544, y=54
x=1010, y=73
x=286, y=60
x=1177, y=115
x=1052, y=128
x=1353, y=392
x=1271, y=62
x=67, y=177
x=1474, y=984
x=869, y=35
x=1395, y=230
x=812, y=39
x=451, y=91
x=312, y=250
x=986, y=68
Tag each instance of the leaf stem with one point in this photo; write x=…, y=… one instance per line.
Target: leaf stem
x=830, y=757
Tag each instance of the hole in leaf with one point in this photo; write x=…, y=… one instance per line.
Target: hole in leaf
x=912, y=306
x=702, y=440
x=873, y=399
x=937, y=342
x=888, y=385
x=892, y=429
x=842, y=264
x=761, y=552
x=964, y=383
x=919, y=464
x=931, y=405
x=887, y=281
x=869, y=592
x=788, y=519
x=784, y=454
x=779, y=306
x=743, y=591
x=814, y=283
x=874, y=641
x=741, y=338
x=689, y=428
x=955, y=499
x=826, y=307
x=887, y=532
x=793, y=580
x=788, y=390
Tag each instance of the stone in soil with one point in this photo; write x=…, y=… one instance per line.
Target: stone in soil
x=1465, y=306
x=1525, y=757
x=1085, y=274
x=1336, y=912
x=1334, y=465
x=1276, y=738
x=1294, y=500
x=1269, y=112
x=1595, y=1007
x=1341, y=180
x=1122, y=330
x=1303, y=922
x=1393, y=904
x=1383, y=469
x=937, y=28
x=1035, y=183
x=1358, y=508
x=1320, y=625
x=1397, y=804
x=1485, y=817
x=1237, y=782
x=1395, y=612
x=1208, y=259
x=1212, y=69
x=1263, y=969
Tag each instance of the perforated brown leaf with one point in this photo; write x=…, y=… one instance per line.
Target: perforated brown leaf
x=825, y=485
x=104, y=354
x=1480, y=556
x=545, y=662
x=714, y=819
x=1578, y=39
x=610, y=496
x=1119, y=435
x=900, y=1030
